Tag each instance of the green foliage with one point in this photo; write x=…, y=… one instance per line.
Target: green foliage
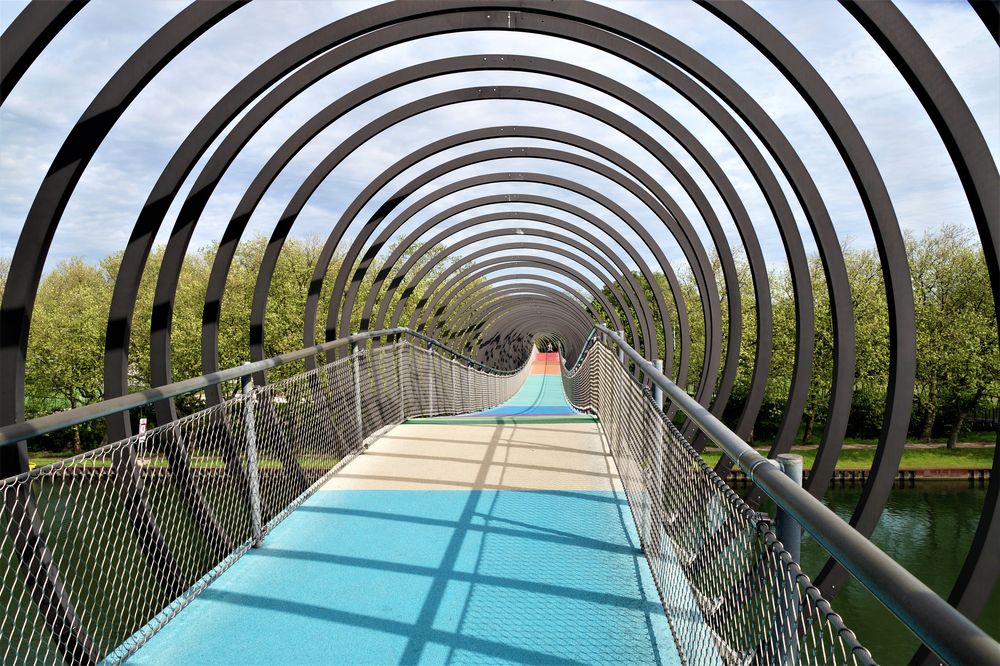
x=66, y=345
x=748, y=342
x=958, y=363
x=64, y=366
x=913, y=458
x=368, y=281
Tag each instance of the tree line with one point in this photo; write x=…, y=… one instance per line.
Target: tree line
x=958, y=361
x=958, y=356
x=65, y=359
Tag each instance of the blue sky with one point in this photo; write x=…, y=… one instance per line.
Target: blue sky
x=53, y=94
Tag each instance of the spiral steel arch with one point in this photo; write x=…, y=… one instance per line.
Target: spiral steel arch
x=638, y=304
x=512, y=307
x=518, y=315
x=503, y=177
x=512, y=216
x=462, y=309
x=446, y=283
x=489, y=310
x=321, y=171
x=628, y=301
x=347, y=298
x=507, y=322
x=445, y=278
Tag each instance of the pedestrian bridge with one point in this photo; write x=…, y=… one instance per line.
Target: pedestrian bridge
x=433, y=483
x=403, y=503
x=502, y=535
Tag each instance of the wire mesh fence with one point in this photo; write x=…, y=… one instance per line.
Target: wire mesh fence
x=102, y=549
x=731, y=592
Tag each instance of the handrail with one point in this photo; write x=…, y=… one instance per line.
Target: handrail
x=17, y=432
x=941, y=627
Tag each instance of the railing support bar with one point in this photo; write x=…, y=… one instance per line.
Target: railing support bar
x=401, y=385
x=466, y=406
x=789, y=531
x=358, y=418
x=430, y=378
x=658, y=399
x=253, y=475
x=11, y=434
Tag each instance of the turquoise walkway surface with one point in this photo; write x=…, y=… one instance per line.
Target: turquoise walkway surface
x=541, y=395
x=542, y=575
x=432, y=577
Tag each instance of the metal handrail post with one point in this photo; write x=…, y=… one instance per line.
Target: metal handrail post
x=790, y=535
x=648, y=475
x=466, y=407
x=658, y=400
x=454, y=387
x=790, y=532
x=253, y=475
x=430, y=378
x=356, y=363
x=400, y=385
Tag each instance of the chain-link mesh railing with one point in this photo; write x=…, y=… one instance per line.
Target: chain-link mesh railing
x=100, y=550
x=731, y=592
x=437, y=385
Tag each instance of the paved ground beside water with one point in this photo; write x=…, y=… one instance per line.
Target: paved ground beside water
x=501, y=537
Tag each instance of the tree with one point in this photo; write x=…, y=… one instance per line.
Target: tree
x=958, y=360
x=956, y=331
x=871, y=342
x=4, y=271
x=66, y=344
x=748, y=342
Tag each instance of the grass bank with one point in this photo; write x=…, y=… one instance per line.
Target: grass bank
x=977, y=436
x=307, y=462
x=922, y=458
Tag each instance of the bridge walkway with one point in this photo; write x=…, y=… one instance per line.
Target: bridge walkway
x=496, y=537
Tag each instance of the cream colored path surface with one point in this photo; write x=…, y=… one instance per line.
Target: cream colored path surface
x=510, y=456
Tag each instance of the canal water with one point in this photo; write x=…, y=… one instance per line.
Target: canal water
x=927, y=528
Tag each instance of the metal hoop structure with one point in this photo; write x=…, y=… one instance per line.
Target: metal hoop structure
x=488, y=294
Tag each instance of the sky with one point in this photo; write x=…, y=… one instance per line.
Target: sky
x=64, y=79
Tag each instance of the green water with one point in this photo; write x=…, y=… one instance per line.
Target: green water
x=927, y=529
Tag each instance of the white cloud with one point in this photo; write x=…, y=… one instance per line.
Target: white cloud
x=83, y=57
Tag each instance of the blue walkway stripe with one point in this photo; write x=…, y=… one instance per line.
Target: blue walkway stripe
x=417, y=576
x=406, y=577
x=540, y=395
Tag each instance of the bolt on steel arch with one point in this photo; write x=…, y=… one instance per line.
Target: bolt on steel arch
x=451, y=246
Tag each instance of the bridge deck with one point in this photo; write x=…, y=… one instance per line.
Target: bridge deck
x=492, y=538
